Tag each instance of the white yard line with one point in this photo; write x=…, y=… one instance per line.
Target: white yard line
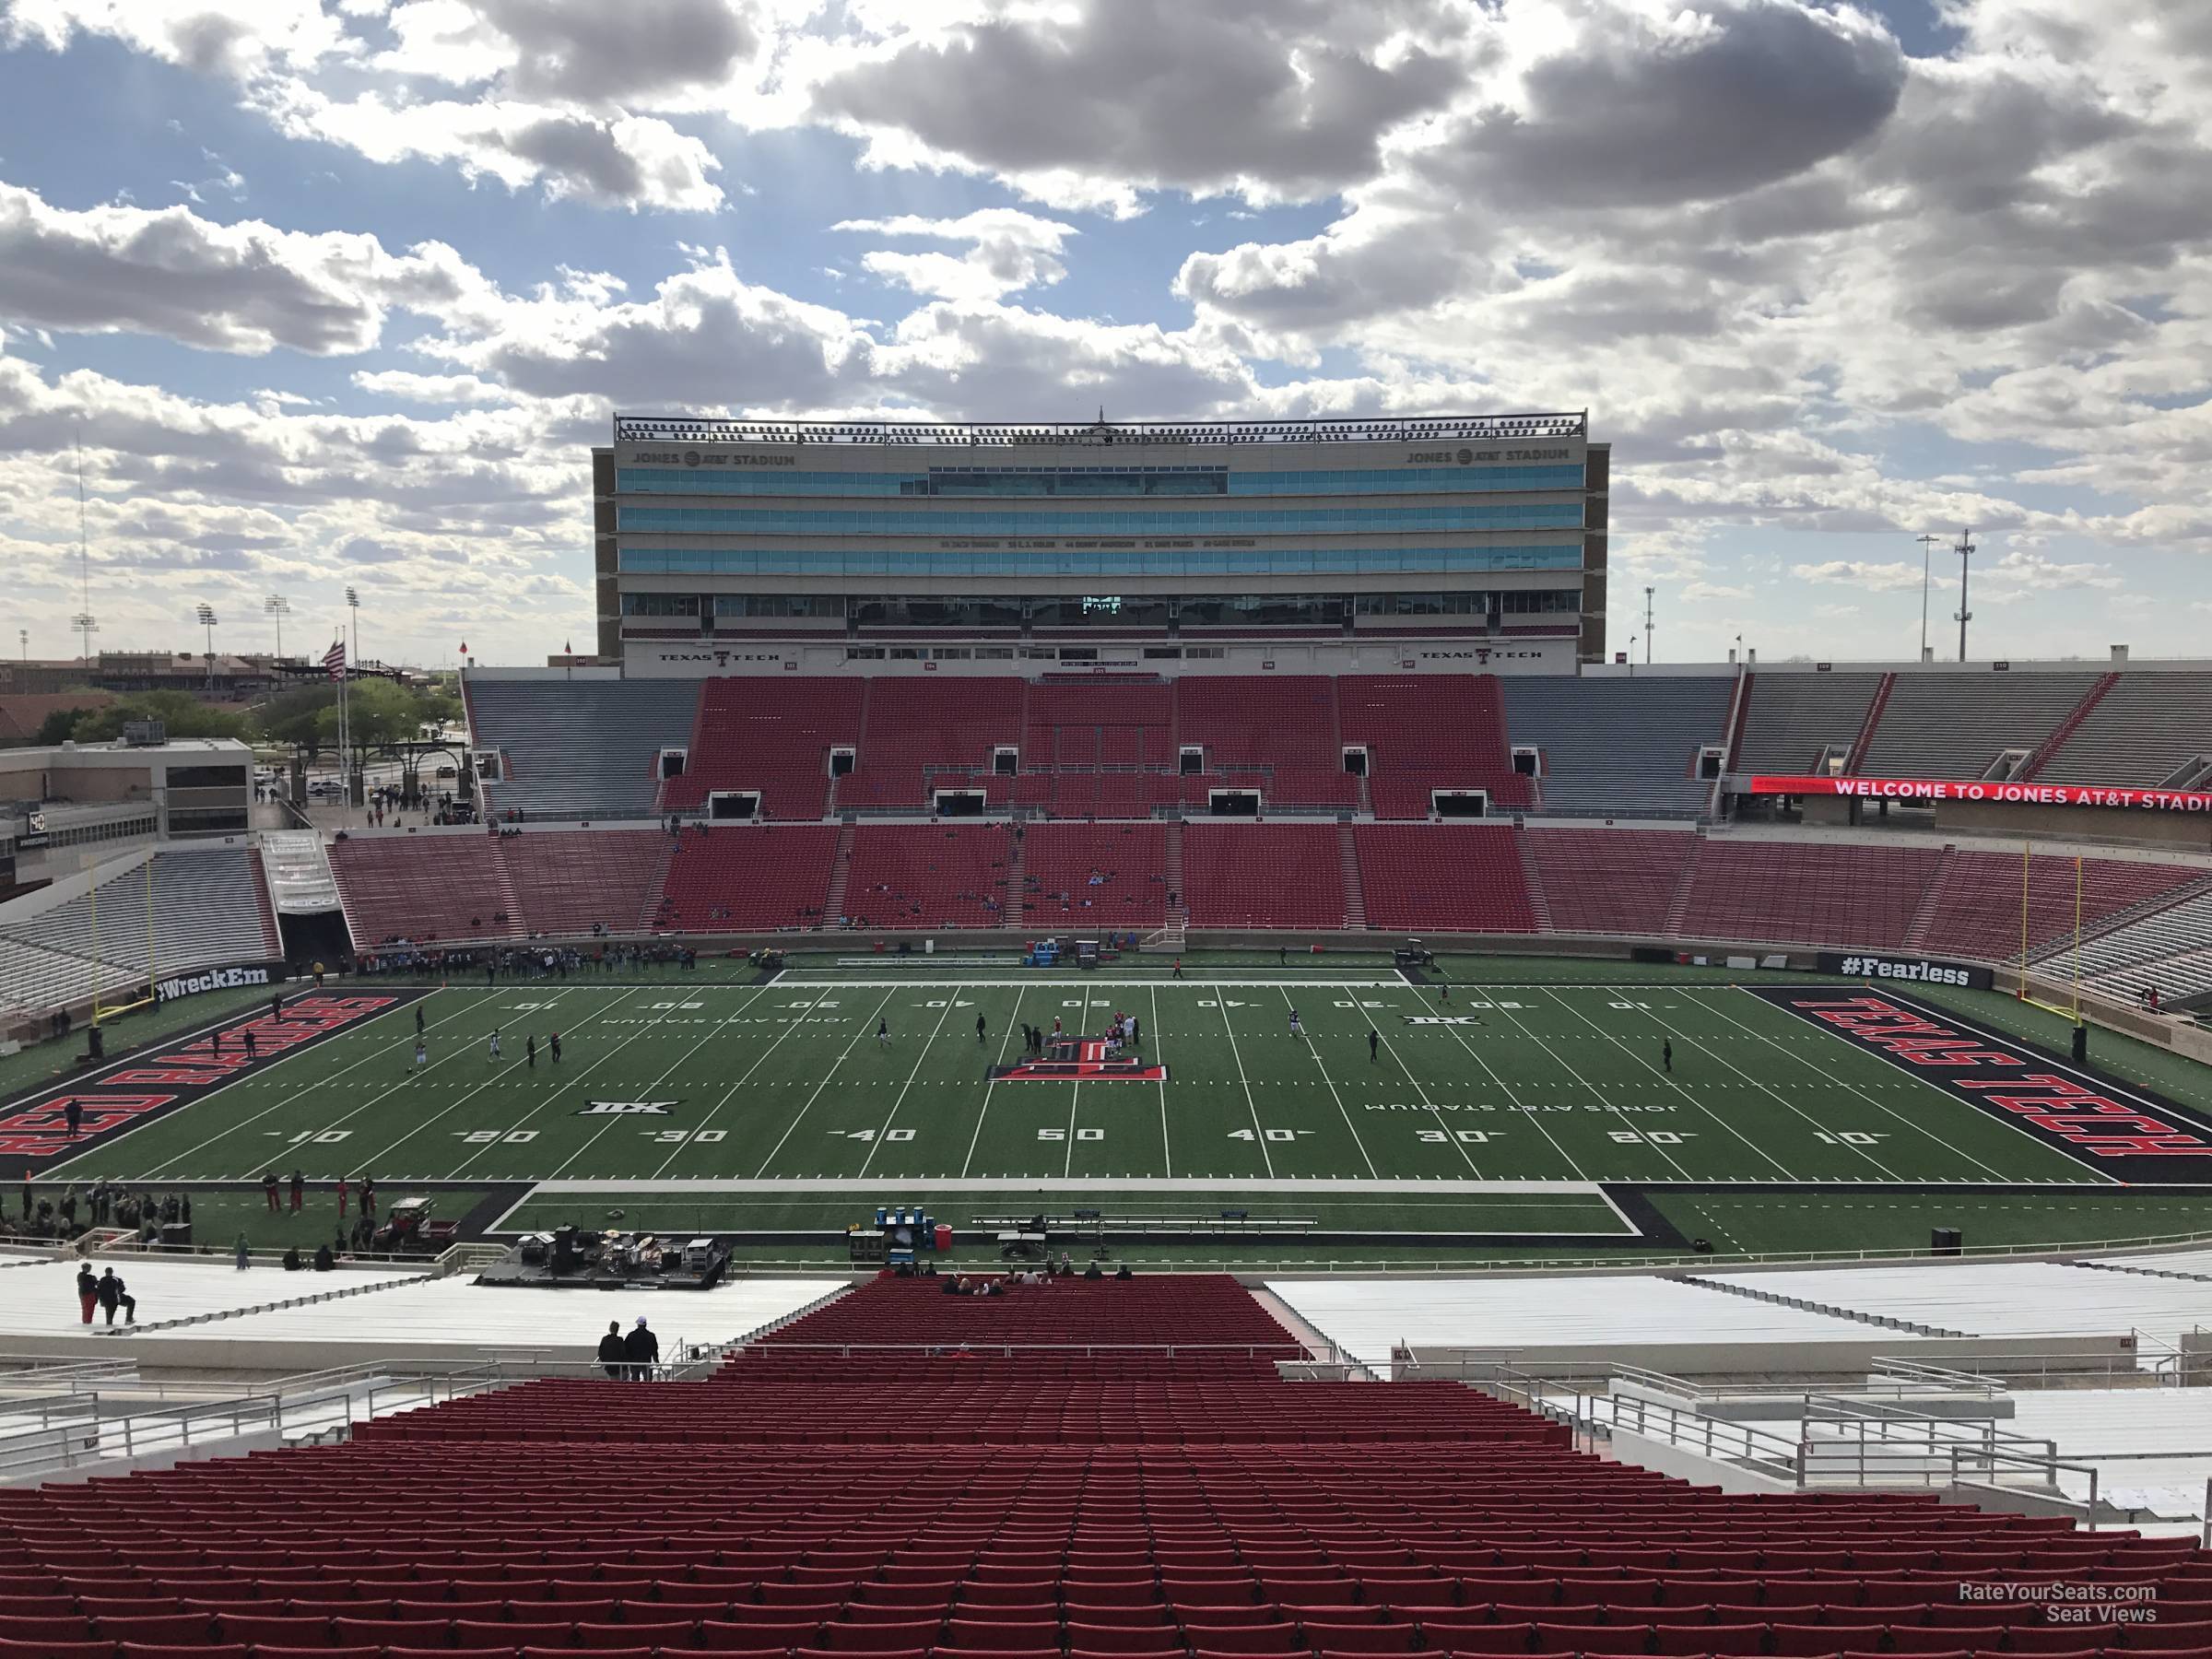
x=1450, y=1135
x=1526, y=1115
x=1315, y=1053
x=1887, y=1110
x=1663, y=1077
x=1165, y=1156
x=506, y=1067
x=713, y=1031
x=1794, y=1109
x=730, y=1093
x=1259, y=1132
x=315, y=1087
x=867, y=1028
x=1013, y=1019
x=921, y=1057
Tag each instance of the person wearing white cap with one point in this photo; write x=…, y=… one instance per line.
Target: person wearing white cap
x=643, y=1351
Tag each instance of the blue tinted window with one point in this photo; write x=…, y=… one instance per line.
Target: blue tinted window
x=955, y=483
x=1135, y=521
x=1102, y=561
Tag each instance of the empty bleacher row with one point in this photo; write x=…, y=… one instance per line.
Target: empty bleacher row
x=1087, y=1469
x=181, y=908
x=1112, y=748
x=1133, y=876
x=579, y=748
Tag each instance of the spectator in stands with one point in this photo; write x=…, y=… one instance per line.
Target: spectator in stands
x=642, y=1350
x=268, y=1192
x=345, y=1188
x=299, y=1191
x=613, y=1351
x=114, y=1294
x=88, y=1291
x=324, y=1260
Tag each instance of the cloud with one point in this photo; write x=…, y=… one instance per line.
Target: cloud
x=1007, y=252
x=237, y=38
x=1075, y=103
x=556, y=52
x=1872, y=577
x=247, y=287
x=614, y=161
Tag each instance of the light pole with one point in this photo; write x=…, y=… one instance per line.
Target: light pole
x=1927, y=549
x=1965, y=549
x=278, y=606
x=207, y=614
x=353, y=608
x=1647, y=625
x=23, y=641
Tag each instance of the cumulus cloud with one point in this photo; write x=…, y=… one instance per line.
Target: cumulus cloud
x=553, y=51
x=617, y=161
x=247, y=287
x=1007, y=251
x=1275, y=97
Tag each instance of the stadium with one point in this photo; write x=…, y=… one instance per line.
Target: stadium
x=1220, y=1074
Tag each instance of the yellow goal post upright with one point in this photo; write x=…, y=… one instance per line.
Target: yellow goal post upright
x=107, y=1010
x=2072, y=1008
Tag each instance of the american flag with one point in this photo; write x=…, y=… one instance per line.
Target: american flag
x=334, y=660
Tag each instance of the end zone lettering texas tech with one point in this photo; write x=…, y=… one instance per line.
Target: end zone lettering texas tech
x=2042, y=1094
x=135, y=1090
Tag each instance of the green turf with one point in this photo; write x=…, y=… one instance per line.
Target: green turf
x=790, y=1082
x=56, y=1057
x=1745, y=1223
x=780, y=1112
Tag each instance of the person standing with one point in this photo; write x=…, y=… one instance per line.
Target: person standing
x=276, y=1005
x=268, y=1192
x=553, y=1043
x=642, y=1350
x=530, y=1050
x=417, y=1019
x=87, y=1290
x=981, y=1030
x=299, y=1191
x=368, y=1196
x=73, y=1115
x=1296, y=1029
x=1667, y=1055
x=883, y=1033
x=113, y=1294
x=246, y=1037
x=494, y=1053
x=215, y=1045
x=344, y=1190
x=1374, y=1045
x=244, y=1251
x=422, y=1054
x=613, y=1354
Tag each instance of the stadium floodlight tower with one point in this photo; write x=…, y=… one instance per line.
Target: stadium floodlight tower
x=206, y=616
x=1965, y=549
x=278, y=606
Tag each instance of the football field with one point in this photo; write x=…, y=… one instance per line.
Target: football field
x=1406, y=1106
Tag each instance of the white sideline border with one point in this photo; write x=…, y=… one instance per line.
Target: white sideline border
x=848, y=1185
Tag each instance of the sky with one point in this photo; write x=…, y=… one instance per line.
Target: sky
x=333, y=292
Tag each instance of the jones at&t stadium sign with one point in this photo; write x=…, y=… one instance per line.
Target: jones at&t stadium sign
x=1985, y=794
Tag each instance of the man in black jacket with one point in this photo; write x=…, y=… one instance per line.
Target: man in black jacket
x=88, y=1291
x=612, y=1353
x=642, y=1350
x=113, y=1295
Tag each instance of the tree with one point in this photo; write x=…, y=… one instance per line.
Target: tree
x=183, y=716
x=294, y=717
x=377, y=712
x=58, y=727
